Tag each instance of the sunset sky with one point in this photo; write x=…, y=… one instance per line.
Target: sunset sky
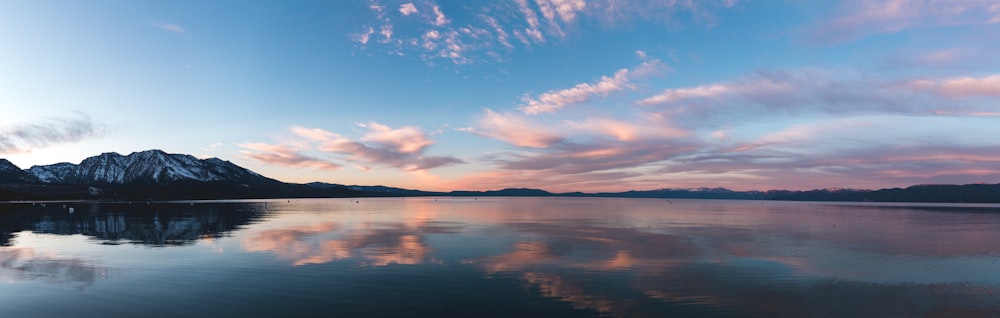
x=562, y=95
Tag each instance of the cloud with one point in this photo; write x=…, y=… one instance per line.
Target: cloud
x=988, y=86
x=284, y=156
x=439, y=18
x=590, y=152
x=386, y=32
x=552, y=101
x=818, y=91
x=859, y=19
x=627, y=131
x=175, y=28
x=532, y=19
x=294, y=244
x=364, y=36
x=515, y=129
x=500, y=28
x=389, y=243
x=26, y=137
x=908, y=150
x=401, y=148
x=407, y=8
x=758, y=131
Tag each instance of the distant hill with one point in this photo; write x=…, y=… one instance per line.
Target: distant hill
x=157, y=175
x=511, y=192
x=376, y=191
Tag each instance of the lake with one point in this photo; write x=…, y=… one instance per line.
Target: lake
x=498, y=257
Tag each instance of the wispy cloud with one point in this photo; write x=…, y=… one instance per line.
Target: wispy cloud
x=552, y=101
x=172, y=27
x=858, y=19
x=26, y=137
x=821, y=91
x=401, y=148
x=788, y=158
x=283, y=155
x=961, y=86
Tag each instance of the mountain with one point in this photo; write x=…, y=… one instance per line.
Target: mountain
x=376, y=191
x=146, y=167
x=9, y=173
x=151, y=174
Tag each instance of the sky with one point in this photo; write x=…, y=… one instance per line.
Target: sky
x=561, y=95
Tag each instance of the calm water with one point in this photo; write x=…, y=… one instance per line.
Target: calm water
x=497, y=257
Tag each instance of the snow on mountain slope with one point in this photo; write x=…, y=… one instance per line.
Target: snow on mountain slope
x=52, y=173
x=11, y=173
x=146, y=167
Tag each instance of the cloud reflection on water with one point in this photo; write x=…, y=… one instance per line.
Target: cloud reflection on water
x=697, y=256
x=18, y=264
x=780, y=270
x=373, y=244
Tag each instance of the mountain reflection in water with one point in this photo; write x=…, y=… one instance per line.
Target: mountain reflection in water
x=518, y=256
x=159, y=224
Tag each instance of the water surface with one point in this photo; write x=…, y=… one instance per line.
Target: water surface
x=497, y=257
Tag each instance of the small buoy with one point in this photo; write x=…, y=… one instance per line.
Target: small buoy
x=70, y=210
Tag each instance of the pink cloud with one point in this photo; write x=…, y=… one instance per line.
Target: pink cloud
x=404, y=140
x=439, y=18
x=400, y=148
x=407, y=8
x=284, y=156
x=988, y=86
x=760, y=86
x=364, y=36
x=628, y=131
x=819, y=91
x=859, y=19
x=515, y=130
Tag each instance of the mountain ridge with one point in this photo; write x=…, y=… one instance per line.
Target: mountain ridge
x=155, y=174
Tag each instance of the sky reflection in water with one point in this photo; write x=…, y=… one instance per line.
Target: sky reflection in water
x=503, y=256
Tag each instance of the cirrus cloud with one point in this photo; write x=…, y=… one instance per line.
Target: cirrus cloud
x=26, y=137
x=497, y=29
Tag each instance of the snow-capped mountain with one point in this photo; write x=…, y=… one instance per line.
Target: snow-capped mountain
x=145, y=167
x=11, y=173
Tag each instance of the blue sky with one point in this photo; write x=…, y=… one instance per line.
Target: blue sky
x=562, y=95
